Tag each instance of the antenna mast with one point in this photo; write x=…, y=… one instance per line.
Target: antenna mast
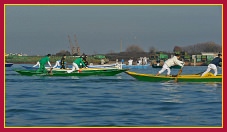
x=77, y=46
x=73, y=49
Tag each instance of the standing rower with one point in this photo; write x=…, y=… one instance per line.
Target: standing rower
x=213, y=65
x=170, y=62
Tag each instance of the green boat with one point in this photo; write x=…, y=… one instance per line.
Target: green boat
x=175, y=67
x=101, y=72
x=181, y=78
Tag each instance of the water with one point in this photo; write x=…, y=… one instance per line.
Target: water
x=110, y=101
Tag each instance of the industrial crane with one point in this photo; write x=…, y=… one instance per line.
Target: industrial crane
x=77, y=46
x=73, y=48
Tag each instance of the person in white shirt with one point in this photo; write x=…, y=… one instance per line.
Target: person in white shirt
x=130, y=62
x=102, y=61
x=144, y=60
x=116, y=61
x=171, y=62
x=57, y=64
x=213, y=65
x=37, y=64
x=158, y=62
x=139, y=62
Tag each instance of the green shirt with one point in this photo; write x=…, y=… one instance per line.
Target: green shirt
x=44, y=60
x=78, y=61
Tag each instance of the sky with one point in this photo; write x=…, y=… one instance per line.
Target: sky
x=40, y=30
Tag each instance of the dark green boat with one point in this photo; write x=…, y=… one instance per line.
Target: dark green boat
x=181, y=78
x=101, y=72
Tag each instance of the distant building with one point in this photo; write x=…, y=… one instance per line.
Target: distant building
x=15, y=54
x=209, y=53
x=205, y=57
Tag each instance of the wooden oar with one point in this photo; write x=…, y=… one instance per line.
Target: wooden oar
x=180, y=71
x=199, y=73
x=50, y=72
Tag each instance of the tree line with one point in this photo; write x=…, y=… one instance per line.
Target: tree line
x=191, y=49
x=199, y=47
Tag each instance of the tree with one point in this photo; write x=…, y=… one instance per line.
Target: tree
x=177, y=49
x=152, y=50
x=63, y=52
x=134, y=48
x=203, y=47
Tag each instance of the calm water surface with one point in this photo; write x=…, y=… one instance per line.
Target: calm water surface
x=110, y=101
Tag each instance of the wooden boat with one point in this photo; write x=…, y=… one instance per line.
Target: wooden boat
x=175, y=67
x=30, y=68
x=8, y=64
x=181, y=78
x=100, y=72
x=34, y=68
x=64, y=70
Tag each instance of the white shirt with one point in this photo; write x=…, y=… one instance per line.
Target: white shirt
x=130, y=62
x=57, y=64
x=173, y=61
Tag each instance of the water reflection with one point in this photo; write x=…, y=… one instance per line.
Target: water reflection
x=173, y=92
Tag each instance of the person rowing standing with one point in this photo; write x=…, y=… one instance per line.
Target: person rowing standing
x=213, y=65
x=85, y=60
x=76, y=63
x=42, y=62
x=62, y=62
x=171, y=62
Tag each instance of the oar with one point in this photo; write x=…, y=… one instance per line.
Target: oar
x=180, y=71
x=50, y=72
x=199, y=73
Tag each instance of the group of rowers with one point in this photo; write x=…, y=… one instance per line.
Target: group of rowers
x=61, y=63
x=175, y=61
x=167, y=64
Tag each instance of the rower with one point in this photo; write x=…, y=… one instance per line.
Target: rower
x=171, y=62
x=57, y=64
x=42, y=62
x=76, y=63
x=213, y=65
x=62, y=62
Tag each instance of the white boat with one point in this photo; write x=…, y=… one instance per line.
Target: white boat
x=117, y=66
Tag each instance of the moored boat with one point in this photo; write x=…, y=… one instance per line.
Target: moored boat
x=181, y=78
x=101, y=72
x=8, y=64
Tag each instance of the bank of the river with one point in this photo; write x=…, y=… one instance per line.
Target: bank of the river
x=70, y=59
x=53, y=59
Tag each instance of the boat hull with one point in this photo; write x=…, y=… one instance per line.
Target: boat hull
x=8, y=64
x=181, y=78
x=30, y=68
x=106, y=72
x=36, y=68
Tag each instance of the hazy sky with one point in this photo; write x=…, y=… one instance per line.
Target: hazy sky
x=100, y=29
